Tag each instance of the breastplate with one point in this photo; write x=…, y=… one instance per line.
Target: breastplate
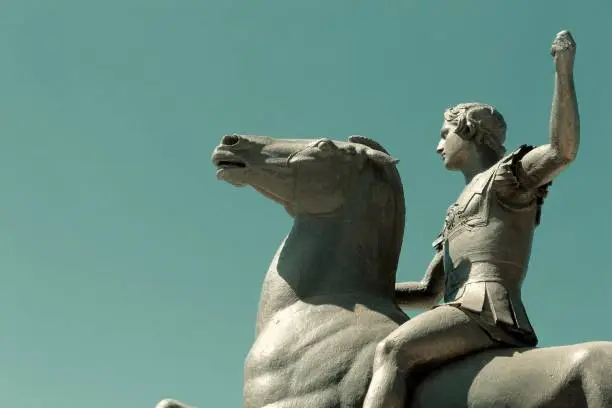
x=479, y=228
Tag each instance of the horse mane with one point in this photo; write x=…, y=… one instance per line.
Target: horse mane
x=391, y=245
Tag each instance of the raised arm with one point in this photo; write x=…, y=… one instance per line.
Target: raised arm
x=544, y=163
x=427, y=292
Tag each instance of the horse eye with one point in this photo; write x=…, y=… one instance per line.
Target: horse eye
x=326, y=144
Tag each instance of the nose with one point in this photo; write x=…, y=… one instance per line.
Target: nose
x=440, y=147
x=230, y=140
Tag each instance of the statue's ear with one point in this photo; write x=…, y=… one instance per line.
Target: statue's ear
x=375, y=151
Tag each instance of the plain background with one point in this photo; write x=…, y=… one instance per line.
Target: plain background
x=129, y=273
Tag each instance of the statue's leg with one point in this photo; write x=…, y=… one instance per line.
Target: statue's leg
x=429, y=339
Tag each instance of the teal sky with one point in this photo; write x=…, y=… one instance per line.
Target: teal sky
x=129, y=273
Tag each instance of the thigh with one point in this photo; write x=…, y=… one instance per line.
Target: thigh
x=436, y=336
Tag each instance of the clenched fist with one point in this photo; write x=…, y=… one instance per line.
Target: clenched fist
x=563, y=50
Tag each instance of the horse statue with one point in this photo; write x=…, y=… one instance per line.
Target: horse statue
x=328, y=297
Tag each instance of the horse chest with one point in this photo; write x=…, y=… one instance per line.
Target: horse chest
x=314, y=355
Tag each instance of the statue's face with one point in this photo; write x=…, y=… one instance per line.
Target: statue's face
x=453, y=149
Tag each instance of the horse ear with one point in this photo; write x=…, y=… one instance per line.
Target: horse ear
x=381, y=158
x=375, y=151
x=366, y=141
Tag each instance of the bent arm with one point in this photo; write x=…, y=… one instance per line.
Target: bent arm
x=427, y=292
x=544, y=163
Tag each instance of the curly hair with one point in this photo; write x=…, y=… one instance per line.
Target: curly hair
x=481, y=123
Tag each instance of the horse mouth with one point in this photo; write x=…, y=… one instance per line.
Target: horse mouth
x=229, y=164
x=226, y=161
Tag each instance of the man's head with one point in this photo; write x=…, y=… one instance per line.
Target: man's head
x=471, y=128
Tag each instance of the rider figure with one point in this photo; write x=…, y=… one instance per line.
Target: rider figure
x=483, y=251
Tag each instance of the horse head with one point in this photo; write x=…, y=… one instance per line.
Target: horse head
x=355, y=179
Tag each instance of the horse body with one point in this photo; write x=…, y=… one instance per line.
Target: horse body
x=577, y=376
x=316, y=353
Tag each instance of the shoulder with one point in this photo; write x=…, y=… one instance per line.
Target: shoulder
x=509, y=170
x=511, y=179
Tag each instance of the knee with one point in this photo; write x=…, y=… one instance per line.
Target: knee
x=170, y=403
x=387, y=352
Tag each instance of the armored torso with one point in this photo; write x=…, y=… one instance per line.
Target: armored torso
x=487, y=239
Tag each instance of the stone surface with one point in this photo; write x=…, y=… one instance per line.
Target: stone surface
x=328, y=318
x=485, y=245
x=328, y=296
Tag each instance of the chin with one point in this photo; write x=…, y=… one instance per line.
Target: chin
x=451, y=166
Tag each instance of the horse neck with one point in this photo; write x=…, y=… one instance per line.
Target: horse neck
x=335, y=255
x=324, y=258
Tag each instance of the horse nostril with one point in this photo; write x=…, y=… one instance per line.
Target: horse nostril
x=230, y=140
